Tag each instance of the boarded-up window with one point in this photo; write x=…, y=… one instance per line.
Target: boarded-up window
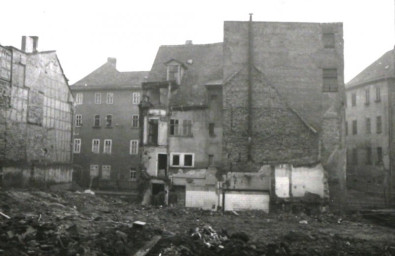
x=94, y=170
x=328, y=40
x=329, y=77
x=35, y=108
x=105, y=172
x=187, y=127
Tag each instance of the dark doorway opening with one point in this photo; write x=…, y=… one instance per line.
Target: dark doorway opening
x=153, y=126
x=162, y=165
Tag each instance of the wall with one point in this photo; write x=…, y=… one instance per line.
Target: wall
x=38, y=120
x=149, y=159
x=121, y=132
x=247, y=201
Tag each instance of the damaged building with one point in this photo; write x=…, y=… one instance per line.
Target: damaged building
x=35, y=117
x=252, y=121
x=106, y=128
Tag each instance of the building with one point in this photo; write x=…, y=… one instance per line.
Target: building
x=255, y=119
x=106, y=128
x=369, y=127
x=35, y=117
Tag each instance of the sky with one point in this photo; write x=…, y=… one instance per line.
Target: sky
x=84, y=32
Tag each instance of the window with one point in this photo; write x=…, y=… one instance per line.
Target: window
x=211, y=129
x=133, y=174
x=328, y=40
x=210, y=160
x=173, y=73
x=187, y=127
x=110, y=98
x=153, y=131
x=78, y=120
x=77, y=146
x=329, y=77
x=368, y=126
x=355, y=156
x=97, y=121
x=105, y=172
x=378, y=94
x=379, y=155
x=135, y=121
x=96, y=146
x=354, y=127
x=367, y=97
x=136, y=98
x=94, y=170
x=98, y=98
x=182, y=159
x=368, y=155
x=108, y=120
x=107, y=146
x=134, y=147
x=173, y=127
x=353, y=99
x=346, y=125
x=5, y=64
x=378, y=125
x=79, y=98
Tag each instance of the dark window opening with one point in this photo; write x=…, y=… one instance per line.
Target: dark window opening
x=210, y=160
x=173, y=127
x=329, y=77
x=378, y=125
x=109, y=121
x=355, y=156
x=176, y=160
x=211, y=129
x=379, y=155
x=97, y=121
x=162, y=164
x=354, y=127
x=378, y=94
x=368, y=126
x=153, y=131
x=328, y=40
x=188, y=160
x=368, y=155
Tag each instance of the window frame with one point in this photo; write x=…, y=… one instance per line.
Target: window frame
x=330, y=82
x=174, y=127
x=97, y=98
x=96, y=147
x=78, y=120
x=136, y=151
x=110, y=98
x=354, y=127
x=187, y=128
x=378, y=94
x=367, y=96
x=135, y=123
x=103, y=167
x=109, y=124
x=182, y=159
x=78, y=145
x=368, y=125
x=107, y=147
x=133, y=177
x=79, y=98
x=136, y=98
x=379, y=125
x=91, y=167
x=96, y=117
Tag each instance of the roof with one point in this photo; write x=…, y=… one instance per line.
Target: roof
x=204, y=64
x=108, y=76
x=380, y=69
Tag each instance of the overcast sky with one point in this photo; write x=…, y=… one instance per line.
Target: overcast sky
x=84, y=33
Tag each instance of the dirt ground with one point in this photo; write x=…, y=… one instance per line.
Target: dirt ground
x=75, y=223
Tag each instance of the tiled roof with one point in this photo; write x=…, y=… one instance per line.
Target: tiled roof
x=381, y=68
x=203, y=63
x=108, y=75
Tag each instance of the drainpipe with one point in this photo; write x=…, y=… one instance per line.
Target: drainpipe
x=250, y=63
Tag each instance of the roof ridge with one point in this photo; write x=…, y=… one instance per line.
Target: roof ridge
x=190, y=45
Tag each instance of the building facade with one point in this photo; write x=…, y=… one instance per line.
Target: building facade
x=254, y=119
x=35, y=117
x=106, y=128
x=370, y=129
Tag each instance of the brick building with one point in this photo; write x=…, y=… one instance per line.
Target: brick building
x=369, y=126
x=35, y=116
x=266, y=111
x=106, y=127
x=283, y=104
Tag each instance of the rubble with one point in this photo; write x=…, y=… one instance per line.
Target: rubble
x=70, y=223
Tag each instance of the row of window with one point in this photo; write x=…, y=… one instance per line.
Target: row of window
x=106, y=172
x=79, y=98
x=367, y=97
x=368, y=126
x=107, y=146
x=96, y=121
x=353, y=158
x=186, y=130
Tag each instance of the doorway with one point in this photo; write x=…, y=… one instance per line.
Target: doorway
x=162, y=165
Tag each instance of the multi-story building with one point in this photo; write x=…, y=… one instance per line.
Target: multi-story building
x=106, y=127
x=257, y=116
x=370, y=127
x=35, y=116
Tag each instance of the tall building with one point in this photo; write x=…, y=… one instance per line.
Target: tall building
x=256, y=119
x=35, y=117
x=106, y=128
x=370, y=128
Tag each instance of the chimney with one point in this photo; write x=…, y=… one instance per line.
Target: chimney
x=113, y=61
x=29, y=44
x=188, y=42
